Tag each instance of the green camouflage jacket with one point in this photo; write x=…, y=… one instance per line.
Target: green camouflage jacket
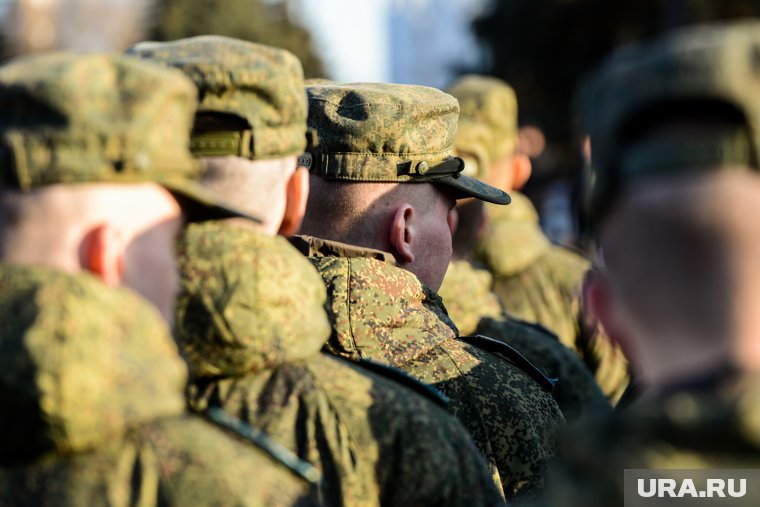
x=541, y=282
x=466, y=292
x=683, y=429
x=92, y=410
x=384, y=313
x=252, y=321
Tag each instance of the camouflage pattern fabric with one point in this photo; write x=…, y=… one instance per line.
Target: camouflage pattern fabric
x=487, y=118
x=540, y=282
x=384, y=313
x=260, y=84
x=466, y=292
x=377, y=132
x=696, y=68
x=685, y=429
x=93, y=411
x=251, y=315
x=71, y=118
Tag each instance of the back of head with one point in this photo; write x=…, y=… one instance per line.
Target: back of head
x=673, y=127
x=251, y=119
x=384, y=147
x=87, y=142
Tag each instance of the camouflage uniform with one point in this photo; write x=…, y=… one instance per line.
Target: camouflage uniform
x=91, y=384
x=67, y=439
x=466, y=292
x=384, y=313
x=709, y=420
x=404, y=134
x=251, y=319
x=251, y=322
x=536, y=280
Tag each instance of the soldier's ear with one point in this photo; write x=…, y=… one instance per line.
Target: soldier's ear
x=402, y=233
x=521, y=170
x=101, y=253
x=297, y=195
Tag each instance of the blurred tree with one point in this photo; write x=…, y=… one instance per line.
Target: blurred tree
x=545, y=47
x=266, y=22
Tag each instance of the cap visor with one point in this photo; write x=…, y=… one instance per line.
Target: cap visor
x=475, y=188
x=198, y=204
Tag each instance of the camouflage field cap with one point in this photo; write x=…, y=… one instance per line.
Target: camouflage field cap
x=376, y=132
x=259, y=84
x=67, y=118
x=487, y=117
x=704, y=70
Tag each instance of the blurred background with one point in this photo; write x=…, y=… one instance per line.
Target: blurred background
x=543, y=48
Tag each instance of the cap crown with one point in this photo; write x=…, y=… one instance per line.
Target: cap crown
x=260, y=84
x=381, y=132
x=70, y=118
x=490, y=103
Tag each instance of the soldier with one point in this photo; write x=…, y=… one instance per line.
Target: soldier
x=466, y=289
x=677, y=204
x=251, y=316
x=93, y=168
x=380, y=215
x=535, y=280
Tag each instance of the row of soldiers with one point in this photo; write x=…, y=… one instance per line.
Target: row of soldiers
x=344, y=326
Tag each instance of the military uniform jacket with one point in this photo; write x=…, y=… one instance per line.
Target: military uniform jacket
x=540, y=282
x=466, y=292
x=252, y=321
x=709, y=427
x=92, y=409
x=384, y=313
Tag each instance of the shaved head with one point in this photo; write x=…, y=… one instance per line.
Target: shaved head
x=370, y=215
x=682, y=260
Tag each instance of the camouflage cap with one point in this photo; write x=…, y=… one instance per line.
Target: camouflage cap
x=487, y=118
x=695, y=71
x=71, y=119
x=388, y=133
x=259, y=84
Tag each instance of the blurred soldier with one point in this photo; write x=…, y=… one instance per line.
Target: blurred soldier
x=535, y=280
x=93, y=166
x=475, y=309
x=251, y=317
x=677, y=202
x=380, y=216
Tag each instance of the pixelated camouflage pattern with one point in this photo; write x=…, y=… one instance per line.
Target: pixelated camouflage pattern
x=93, y=411
x=366, y=433
x=368, y=131
x=466, y=292
x=261, y=84
x=237, y=311
x=71, y=118
x=540, y=282
x=488, y=102
x=711, y=428
x=715, y=62
x=576, y=390
x=386, y=314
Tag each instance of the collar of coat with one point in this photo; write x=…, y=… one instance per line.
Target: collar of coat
x=379, y=310
x=81, y=363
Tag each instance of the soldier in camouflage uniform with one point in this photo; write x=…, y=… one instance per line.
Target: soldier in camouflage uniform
x=251, y=316
x=676, y=198
x=475, y=309
x=91, y=384
x=535, y=280
x=384, y=185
